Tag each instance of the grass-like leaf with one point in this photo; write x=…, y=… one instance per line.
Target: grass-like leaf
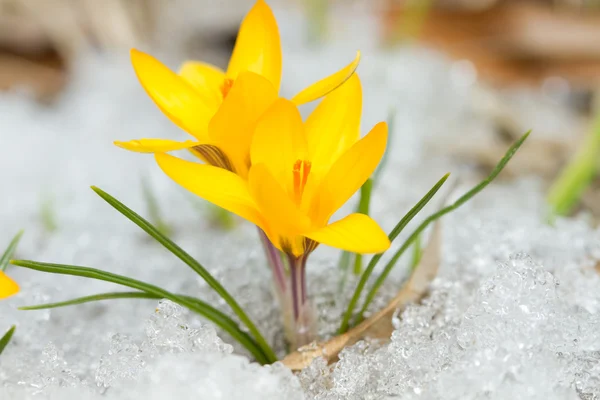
x=463, y=199
x=375, y=259
x=572, y=182
x=96, y=297
x=6, y=338
x=192, y=263
x=154, y=208
x=7, y=255
x=386, y=155
x=364, y=206
x=416, y=254
x=48, y=214
x=194, y=305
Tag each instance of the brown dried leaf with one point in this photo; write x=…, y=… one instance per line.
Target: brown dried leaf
x=378, y=326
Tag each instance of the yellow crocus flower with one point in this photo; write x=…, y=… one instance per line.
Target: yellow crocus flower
x=192, y=97
x=8, y=287
x=300, y=173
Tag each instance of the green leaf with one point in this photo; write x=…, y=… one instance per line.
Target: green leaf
x=192, y=263
x=364, y=206
x=344, y=266
x=572, y=182
x=221, y=218
x=48, y=215
x=8, y=253
x=463, y=199
x=386, y=155
x=6, y=338
x=375, y=259
x=194, y=305
x=417, y=254
x=153, y=208
x=96, y=297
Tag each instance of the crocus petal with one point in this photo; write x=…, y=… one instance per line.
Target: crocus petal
x=155, y=145
x=334, y=126
x=349, y=173
x=279, y=141
x=232, y=126
x=328, y=84
x=216, y=185
x=357, y=233
x=206, y=79
x=173, y=95
x=8, y=287
x=258, y=46
x=278, y=209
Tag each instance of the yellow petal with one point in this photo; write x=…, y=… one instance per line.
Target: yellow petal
x=155, y=145
x=8, y=287
x=173, y=95
x=213, y=184
x=279, y=141
x=357, y=233
x=349, y=173
x=232, y=126
x=278, y=209
x=326, y=85
x=206, y=79
x=334, y=126
x=258, y=46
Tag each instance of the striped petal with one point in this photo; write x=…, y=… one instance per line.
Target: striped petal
x=155, y=145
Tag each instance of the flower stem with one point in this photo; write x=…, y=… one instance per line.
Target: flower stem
x=303, y=331
x=275, y=262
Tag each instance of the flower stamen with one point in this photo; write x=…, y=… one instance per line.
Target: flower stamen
x=226, y=87
x=301, y=171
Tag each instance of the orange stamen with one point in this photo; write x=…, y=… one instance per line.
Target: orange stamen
x=300, y=172
x=226, y=86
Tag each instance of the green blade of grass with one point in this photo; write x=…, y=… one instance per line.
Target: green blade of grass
x=10, y=251
x=48, y=215
x=6, y=338
x=572, y=182
x=192, y=263
x=364, y=206
x=463, y=199
x=194, y=305
x=417, y=254
x=89, y=299
x=153, y=207
x=113, y=296
x=386, y=154
x=375, y=259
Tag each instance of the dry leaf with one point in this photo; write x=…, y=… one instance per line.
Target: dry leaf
x=378, y=326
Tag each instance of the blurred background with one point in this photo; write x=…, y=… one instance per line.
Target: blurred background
x=510, y=42
x=535, y=64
